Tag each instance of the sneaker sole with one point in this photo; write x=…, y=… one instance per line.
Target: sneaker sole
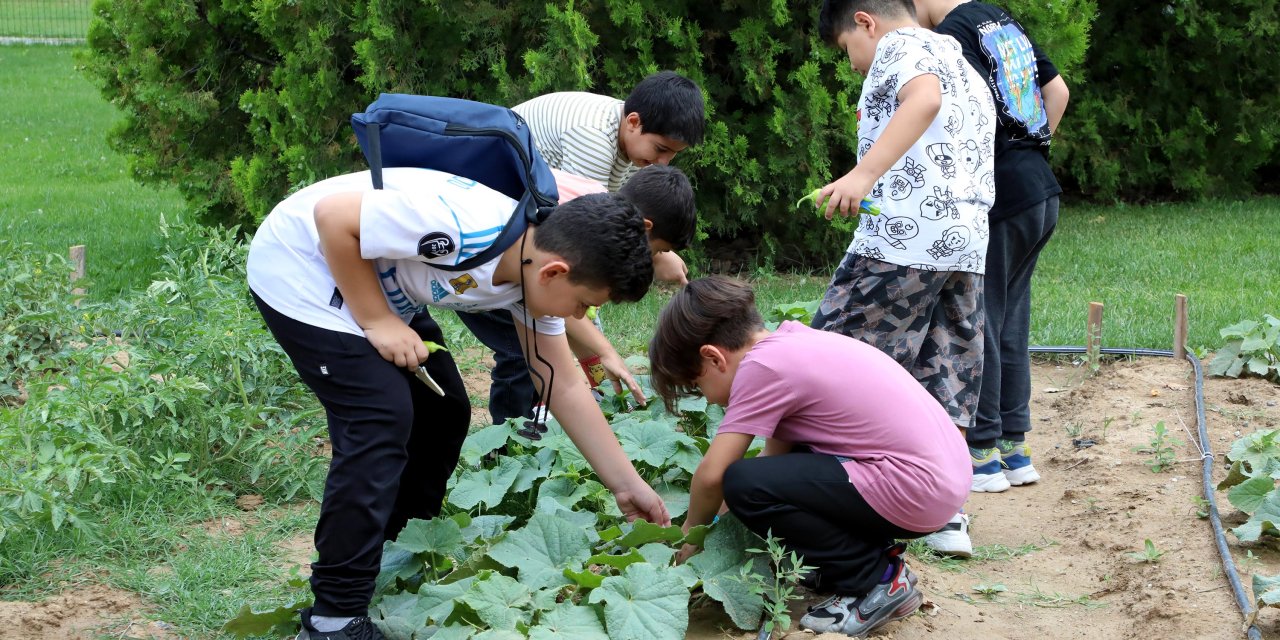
x=904, y=610
x=989, y=483
x=948, y=546
x=1024, y=475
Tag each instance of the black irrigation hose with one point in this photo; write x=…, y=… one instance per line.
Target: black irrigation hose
x=1228, y=564
x=1206, y=458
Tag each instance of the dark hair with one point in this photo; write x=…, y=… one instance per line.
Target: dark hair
x=836, y=16
x=716, y=310
x=664, y=197
x=669, y=105
x=602, y=237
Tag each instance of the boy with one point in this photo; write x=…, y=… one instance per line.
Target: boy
x=857, y=454
x=343, y=274
x=1031, y=98
x=606, y=140
x=911, y=282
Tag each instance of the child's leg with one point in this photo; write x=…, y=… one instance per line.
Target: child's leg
x=511, y=390
x=369, y=403
x=950, y=361
x=806, y=499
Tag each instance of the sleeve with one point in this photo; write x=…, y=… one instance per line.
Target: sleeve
x=910, y=61
x=1046, y=71
x=965, y=32
x=546, y=325
x=589, y=153
x=395, y=225
x=758, y=400
x=572, y=186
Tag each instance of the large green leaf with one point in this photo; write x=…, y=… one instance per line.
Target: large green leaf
x=437, y=535
x=676, y=498
x=1259, y=452
x=1265, y=520
x=501, y=602
x=278, y=621
x=436, y=600
x=650, y=442
x=567, y=491
x=399, y=616
x=454, y=632
x=1266, y=590
x=484, y=486
x=486, y=527
x=396, y=563
x=719, y=566
x=543, y=549
x=643, y=532
x=534, y=468
x=569, y=622
x=1249, y=494
x=483, y=442
x=584, y=519
x=644, y=603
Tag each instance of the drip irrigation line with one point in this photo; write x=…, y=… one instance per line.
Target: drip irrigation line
x=1206, y=459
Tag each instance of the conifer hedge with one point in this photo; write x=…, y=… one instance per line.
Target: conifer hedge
x=238, y=102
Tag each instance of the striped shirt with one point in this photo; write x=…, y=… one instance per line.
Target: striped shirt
x=577, y=132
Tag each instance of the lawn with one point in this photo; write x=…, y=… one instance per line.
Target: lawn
x=44, y=18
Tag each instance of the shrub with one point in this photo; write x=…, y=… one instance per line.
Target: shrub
x=239, y=102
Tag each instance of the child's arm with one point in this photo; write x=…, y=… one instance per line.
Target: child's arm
x=919, y=102
x=669, y=267
x=338, y=223
x=776, y=447
x=1056, y=95
x=706, y=490
x=578, y=413
x=586, y=340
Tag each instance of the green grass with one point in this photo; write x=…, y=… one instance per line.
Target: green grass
x=44, y=18
x=61, y=185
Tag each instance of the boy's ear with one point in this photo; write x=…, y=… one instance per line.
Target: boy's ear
x=715, y=355
x=552, y=269
x=648, y=226
x=864, y=19
x=633, y=122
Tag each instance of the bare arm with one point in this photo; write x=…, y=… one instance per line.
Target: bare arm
x=776, y=447
x=338, y=224
x=706, y=490
x=578, y=413
x=586, y=340
x=1056, y=95
x=918, y=104
x=668, y=266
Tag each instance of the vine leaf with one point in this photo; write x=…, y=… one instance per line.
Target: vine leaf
x=542, y=549
x=644, y=603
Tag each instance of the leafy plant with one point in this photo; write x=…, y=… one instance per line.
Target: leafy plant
x=1252, y=348
x=1149, y=552
x=1161, y=447
x=801, y=312
x=788, y=570
x=990, y=591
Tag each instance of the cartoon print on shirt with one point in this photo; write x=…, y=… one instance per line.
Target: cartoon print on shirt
x=971, y=261
x=939, y=205
x=943, y=155
x=931, y=66
x=922, y=267
x=981, y=225
x=898, y=229
x=977, y=113
x=880, y=104
x=462, y=283
x=904, y=179
x=969, y=157
x=954, y=239
x=955, y=120
x=863, y=248
x=892, y=53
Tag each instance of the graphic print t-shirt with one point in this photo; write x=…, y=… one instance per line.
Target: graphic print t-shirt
x=577, y=132
x=934, y=201
x=419, y=219
x=1015, y=69
x=840, y=396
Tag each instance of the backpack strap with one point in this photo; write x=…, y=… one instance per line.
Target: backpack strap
x=374, y=131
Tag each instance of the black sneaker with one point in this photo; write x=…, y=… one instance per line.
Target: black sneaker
x=361, y=628
x=859, y=615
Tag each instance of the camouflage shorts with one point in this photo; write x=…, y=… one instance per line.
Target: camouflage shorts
x=931, y=322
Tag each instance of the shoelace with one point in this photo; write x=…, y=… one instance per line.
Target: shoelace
x=363, y=629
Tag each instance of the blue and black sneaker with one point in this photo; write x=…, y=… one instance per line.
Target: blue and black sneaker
x=1016, y=458
x=988, y=471
x=361, y=628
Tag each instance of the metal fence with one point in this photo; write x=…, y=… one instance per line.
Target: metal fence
x=51, y=21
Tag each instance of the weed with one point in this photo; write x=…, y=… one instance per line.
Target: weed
x=1202, y=506
x=1161, y=449
x=990, y=591
x=1074, y=429
x=1149, y=552
x=1106, y=425
x=788, y=569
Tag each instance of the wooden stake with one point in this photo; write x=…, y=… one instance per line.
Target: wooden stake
x=1180, y=327
x=1093, y=335
x=77, y=261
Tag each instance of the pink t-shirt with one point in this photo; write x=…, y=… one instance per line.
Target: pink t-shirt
x=570, y=186
x=843, y=397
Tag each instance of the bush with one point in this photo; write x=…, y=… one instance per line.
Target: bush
x=1176, y=102
x=239, y=102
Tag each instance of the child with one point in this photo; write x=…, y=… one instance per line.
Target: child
x=857, y=454
x=603, y=139
x=1031, y=98
x=911, y=282
x=343, y=275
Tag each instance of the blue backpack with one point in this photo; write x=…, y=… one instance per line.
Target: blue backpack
x=486, y=143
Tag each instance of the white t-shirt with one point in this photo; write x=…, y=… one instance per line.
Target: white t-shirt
x=934, y=201
x=420, y=217
x=577, y=132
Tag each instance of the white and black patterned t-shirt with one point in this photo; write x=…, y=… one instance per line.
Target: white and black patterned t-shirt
x=934, y=200
x=577, y=132
x=420, y=218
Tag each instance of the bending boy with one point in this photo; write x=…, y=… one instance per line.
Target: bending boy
x=857, y=454
x=343, y=276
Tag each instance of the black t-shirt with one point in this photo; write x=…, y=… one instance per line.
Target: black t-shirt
x=1015, y=69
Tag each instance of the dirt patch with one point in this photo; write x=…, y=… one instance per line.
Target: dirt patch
x=82, y=611
x=1056, y=562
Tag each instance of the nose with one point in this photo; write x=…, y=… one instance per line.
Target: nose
x=579, y=313
x=665, y=159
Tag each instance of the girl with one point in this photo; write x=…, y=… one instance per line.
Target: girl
x=857, y=454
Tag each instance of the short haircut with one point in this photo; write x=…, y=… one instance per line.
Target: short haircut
x=670, y=105
x=836, y=16
x=718, y=311
x=602, y=238
x=664, y=197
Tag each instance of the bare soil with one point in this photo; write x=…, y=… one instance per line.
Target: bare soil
x=1059, y=549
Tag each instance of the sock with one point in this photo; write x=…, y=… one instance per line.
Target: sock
x=1014, y=437
x=327, y=624
x=888, y=572
x=982, y=444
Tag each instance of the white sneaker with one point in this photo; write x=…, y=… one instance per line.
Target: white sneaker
x=952, y=539
x=988, y=471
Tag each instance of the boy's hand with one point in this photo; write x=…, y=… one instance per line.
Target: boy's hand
x=845, y=195
x=641, y=501
x=686, y=551
x=617, y=372
x=396, y=342
x=670, y=267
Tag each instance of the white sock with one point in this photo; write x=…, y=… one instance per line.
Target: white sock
x=326, y=624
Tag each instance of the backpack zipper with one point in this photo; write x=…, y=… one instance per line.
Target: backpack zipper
x=452, y=129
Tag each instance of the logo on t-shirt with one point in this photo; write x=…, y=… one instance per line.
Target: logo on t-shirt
x=436, y=244
x=462, y=283
x=437, y=292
